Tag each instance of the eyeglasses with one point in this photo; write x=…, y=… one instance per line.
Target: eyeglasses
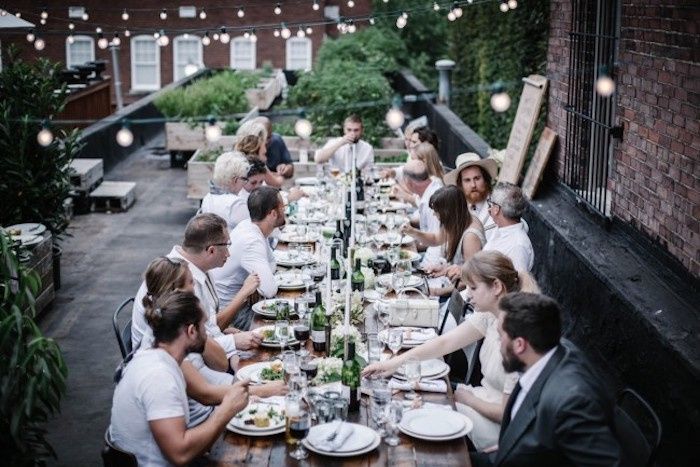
x=226, y=244
x=491, y=204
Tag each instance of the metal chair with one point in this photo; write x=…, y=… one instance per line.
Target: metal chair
x=123, y=333
x=637, y=427
x=112, y=456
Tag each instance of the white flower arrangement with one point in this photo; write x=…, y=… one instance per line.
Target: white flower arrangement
x=338, y=341
x=357, y=309
x=329, y=370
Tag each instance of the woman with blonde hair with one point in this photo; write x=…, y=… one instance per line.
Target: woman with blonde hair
x=229, y=178
x=251, y=140
x=489, y=275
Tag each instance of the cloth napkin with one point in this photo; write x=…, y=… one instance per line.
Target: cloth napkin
x=418, y=336
x=425, y=386
x=319, y=438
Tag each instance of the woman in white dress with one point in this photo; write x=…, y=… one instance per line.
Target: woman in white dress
x=489, y=275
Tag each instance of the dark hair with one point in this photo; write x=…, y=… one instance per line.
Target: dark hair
x=534, y=317
x=171, y=312
x=163, y=275
x=452, y=211
x=353, y=118
x=426, y=135
x=262, y=201
x=417, y=176
x=257, y=167
x=204, y=230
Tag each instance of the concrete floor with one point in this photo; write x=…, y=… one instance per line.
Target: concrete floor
x=102, y=265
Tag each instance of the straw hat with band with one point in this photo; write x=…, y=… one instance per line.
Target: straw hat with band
x=469, y=159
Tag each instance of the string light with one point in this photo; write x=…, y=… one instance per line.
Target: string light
x=451, y=15
x=70, y=39
x=202, y=14
x=215, y=36
x=163, y=40
x=458, y=11
x=253, y=36
x=276, y=32
x=116, y=41
x=85, y=16
x=604, y=85
x=31, y=36
x=224, y=37
x=125, y=15
x=98, y=30
x=285, y=33
x=163, y=14
x=512, y=4
x=205, y=39
x=309, y=30
x=395, y=118
x=351, y=27
x=278, y=9
x=303, y=128
x=500, y=100
x=44, y=137
x=436, y=7
x=102, y=42
x=351, y=4
x=42, y=21
x=301, y=33
x=315, y=6
x=71, y=26
x=156, y=35
x=401, y=21
x=125, y=137
x=127, y=33
x=18, y=14
x=246, y=35
x=241, y=12
x=372, y=20
x=503, y=6
x=39, y=44
x=212, y=131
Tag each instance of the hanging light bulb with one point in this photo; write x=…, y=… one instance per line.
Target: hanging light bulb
x=224, y=37
x=503, y=6
x=127, y=33
x=102, y=42
x=163, y=40
x=309, y=30
x=44, y=137
x=98, y=30
x=301, y=33
x=451, y=15
x=18, y=14
x=70, y=39
x=395, y=118
x=303, y=128
x=436, y=7
x=458, y=12
x=500, y=100
x=206, y=40
x=202, y=14
x=31, y=36
x=278, y=9
x=512, y=4
x=39, y=44
x=285, y=33
x=401, y=21
x=315, y=6
x=276, y=33
x=125, y=15
x=156, y=35
x=372, y=20
x=42, y=21
x=71, y=26
x=241, y=12
x=116, y=41
x=186, y=35
x=212, y=131
x=216, y=36
x=125, y=137
x=351, y=27
x=44, y=14
x=351, y=4
x=246, y=35
x=163, y=14
x=85, y=16
x=253, y=36
x=191, y=69
x=604, y=85
x=3, y=12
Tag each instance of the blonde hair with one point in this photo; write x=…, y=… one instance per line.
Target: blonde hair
x=250, y=137
x=427, y=153
x=228, y=166
x=163, y=275
x=489, y=266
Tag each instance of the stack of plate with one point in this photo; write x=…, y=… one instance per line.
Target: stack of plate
x=411, y=281
x=293, y=259
x=429, y=370
x=289, y=281
x=277, y=421
x=273, y=342
x=306, y=181
x=361, y=441
x=435, y=424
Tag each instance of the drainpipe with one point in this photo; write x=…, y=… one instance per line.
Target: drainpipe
x=444, y=67
x=117, y=78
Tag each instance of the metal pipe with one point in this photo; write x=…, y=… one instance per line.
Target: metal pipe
x=117, y=77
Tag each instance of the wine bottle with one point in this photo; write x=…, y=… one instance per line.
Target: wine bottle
x=338, y=234
x=350, y=379
x=318, y=325
x=359, y=188
x=357, y=281
x=335, y=265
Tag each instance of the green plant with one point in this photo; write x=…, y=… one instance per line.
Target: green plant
x=34, y=180
x=32, y=370
x=374, y=49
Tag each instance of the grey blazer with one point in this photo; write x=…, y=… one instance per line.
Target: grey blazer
x=565, y=419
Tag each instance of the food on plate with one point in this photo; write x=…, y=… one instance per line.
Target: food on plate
x=274, y=373
x=280, y=308
x=261, y=420
x=405, y=254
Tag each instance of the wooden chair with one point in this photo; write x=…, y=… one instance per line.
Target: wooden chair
x=112, y=456
x=123, y=333
x=637, y=427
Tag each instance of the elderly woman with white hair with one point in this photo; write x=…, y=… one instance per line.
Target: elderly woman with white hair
x=251, y=140
x=230, y=175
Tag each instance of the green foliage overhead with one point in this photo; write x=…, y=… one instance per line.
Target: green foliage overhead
x=489, y=46
x=377, y=49
x=221, y=94
x=34, y=180
x=32, y=370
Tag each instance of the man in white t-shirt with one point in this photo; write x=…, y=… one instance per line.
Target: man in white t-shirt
x=149, y=408
x=338, y=151
x=419, y=182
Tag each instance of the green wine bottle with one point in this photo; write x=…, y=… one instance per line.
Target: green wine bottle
x=357, y=281
x=318, y=325
x=335, y=265
x=350, y=379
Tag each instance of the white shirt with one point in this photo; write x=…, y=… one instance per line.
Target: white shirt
x=528, y=379
x=342, y=157
x=249, y=252
x=204, y=290
x=482, y=213
x=152, y=388
x=513, y=242
x=427, y=220
x=231, y=207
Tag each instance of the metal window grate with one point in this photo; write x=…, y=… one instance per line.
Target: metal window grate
x=589, y=122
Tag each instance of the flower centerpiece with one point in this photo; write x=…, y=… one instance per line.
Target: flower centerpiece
x=329, y=370
x=357, y=309
x=338, y=343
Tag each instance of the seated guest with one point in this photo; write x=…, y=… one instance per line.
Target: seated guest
x=489, y=275
x=203, y=249
x=418, y=182
x=278, y=158
x=426, y=153
x=251, y=140
x=424, y=134
x=338, y=151
x=560, y=413
x=409, y=145
x=230, y=176
x=149, y=408
x=506, y=206
x=251, y=251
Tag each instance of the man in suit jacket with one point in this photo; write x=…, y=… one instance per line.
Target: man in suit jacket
x=560, y=413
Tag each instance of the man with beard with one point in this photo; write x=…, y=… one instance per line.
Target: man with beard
x=149, y=407
x=250, y=251
x=338, y=151
x=559, y=413
x=474, y=176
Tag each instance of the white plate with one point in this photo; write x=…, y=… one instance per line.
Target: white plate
x=288, y=259
x=393, y=238
x=277, y=424
x=248, y=371
x=371, y=295
x=435, y=425
x=29, y=228
x=429, y=369
x=28, y=240
x=289, y=237
x=274, y=344
x=361, y=441
x=396, y=205
x=383, y=334
x=260, y=307
x=306, y=181
x=289, y=281
x=412, y=281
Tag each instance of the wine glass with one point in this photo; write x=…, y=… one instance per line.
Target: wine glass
x=282, y=332
x=411, y=370
x=403, y=268
x=290, y=363
x=383, y=314
x=395, y=340
x=298, y=424
x=381, y=396
x=393, y=415
x=302, y=330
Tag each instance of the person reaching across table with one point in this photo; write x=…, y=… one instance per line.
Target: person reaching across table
x=338, y=151
x=489, y=275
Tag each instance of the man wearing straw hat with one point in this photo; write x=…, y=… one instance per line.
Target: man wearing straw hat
x=475, y=176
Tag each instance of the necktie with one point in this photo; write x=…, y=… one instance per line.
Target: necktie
x=509, y=407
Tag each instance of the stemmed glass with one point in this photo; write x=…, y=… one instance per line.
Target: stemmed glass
x=402, y=272
x=298, y=424
x=395, y=340
x=383, y=314
x=411, y=370
x=381, y=396
x=290, y=363
x=393, y=416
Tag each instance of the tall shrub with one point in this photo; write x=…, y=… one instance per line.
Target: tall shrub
x=377, y=49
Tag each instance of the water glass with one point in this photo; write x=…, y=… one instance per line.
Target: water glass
x=395, y=340
x=290, y=363
x=374, y=349
x=411, y=370
x=298, y=424
x=298, y=384
x=340, y=409
x=381, y=396
x=324, y=409
x=383, y=313
x=393, y=415
x=282, y=332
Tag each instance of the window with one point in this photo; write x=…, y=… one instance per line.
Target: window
x=187, y=50
x=590, y=116
x=82, y=50
x=298, y=53
x=145, y=64
x=242, y=54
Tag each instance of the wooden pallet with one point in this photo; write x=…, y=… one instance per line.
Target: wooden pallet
x=113, y=197
x=86, y=174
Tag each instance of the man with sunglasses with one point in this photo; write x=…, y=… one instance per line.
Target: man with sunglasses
x=506, y=206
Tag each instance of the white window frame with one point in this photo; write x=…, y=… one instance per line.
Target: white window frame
x=176, y=45
x=253, y=61
x=79, y=38
x=309, y=51
x=144, y=87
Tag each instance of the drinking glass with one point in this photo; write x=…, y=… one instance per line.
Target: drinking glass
x=395, y=340
x=301, y=329
x=381, y=396
x=298, y=384
x=390, y=222
x=384, y=202
x=298, y=424
x=374, y=348
x=383, y=313
x=307, y=277
x=411, y=370
x=290, y=363
x=340, y=408
x=393, y=415
x=393, y=255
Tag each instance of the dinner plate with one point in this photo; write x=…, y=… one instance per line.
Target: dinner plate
x=28, y=240
x=411, y=281
x=383, y=334
x=274, y=344
x=396, y=205
x=429, y=369
x=289, y=281
x=289, y=237
x=393, y=238
x=288, y=258
x=277, y=422
x=28, y=228
x=306, y=181
x=435, y=424
x=361, y=441
x=264, y=307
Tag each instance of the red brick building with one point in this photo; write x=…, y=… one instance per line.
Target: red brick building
x=145, y=66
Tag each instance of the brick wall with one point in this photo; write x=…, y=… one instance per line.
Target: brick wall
x=216, y=55
x=655, y=173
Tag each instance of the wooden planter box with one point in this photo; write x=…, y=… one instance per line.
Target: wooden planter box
x=267, y=90
x=183, y=137
x=198, y=175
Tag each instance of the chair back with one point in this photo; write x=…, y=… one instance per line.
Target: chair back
x=123, y=333
x=112, y=456
x=638, y=429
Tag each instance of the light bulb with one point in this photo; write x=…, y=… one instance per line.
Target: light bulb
x=372, y=21
x=458, y=12
x=30, y=36
x=98, y=30
x=102, y=43
x=18, y=14
x=246, y=35
x=127, y=33
x=278, y=9
x=85, y=16
x=125, y=15
x=352, y=28
x=512, y=4
x=436, y=7
x=395, y=118
x=401, y=22
x=71, y=26
x=286, y=33
x=44, y=14
x=163, y=14
x=206, y=40
x=125, y=137
x=276, y=33
x=163, y=40
x=156, y=35
x=605, y=86
x=191, y=69
x=186, y=35
x=42, y=21
x=451, y=16
x=315, y=6
x=116, y=41
x=351, y=4
x=70, y=39
x=303, y=128
x=253, y=37
x=301, y=33
x=241, y=13
x=39, y=44
x=309, y=30
x=212, y=132
x=503, y=6
x=405, y=15
x=500, y=101
x=44, y=137
x=225, y=38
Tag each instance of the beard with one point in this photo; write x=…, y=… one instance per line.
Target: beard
x=511, y=362
x=198, y=347
x=476, y=196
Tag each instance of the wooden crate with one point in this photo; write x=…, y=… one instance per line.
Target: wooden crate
x=113, y=196
x=86, y=174
x=184, y=137
x=198, y=175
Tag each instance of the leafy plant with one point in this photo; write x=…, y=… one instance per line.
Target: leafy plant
x=34, y=180
x=32, y=370
x=378, y=50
